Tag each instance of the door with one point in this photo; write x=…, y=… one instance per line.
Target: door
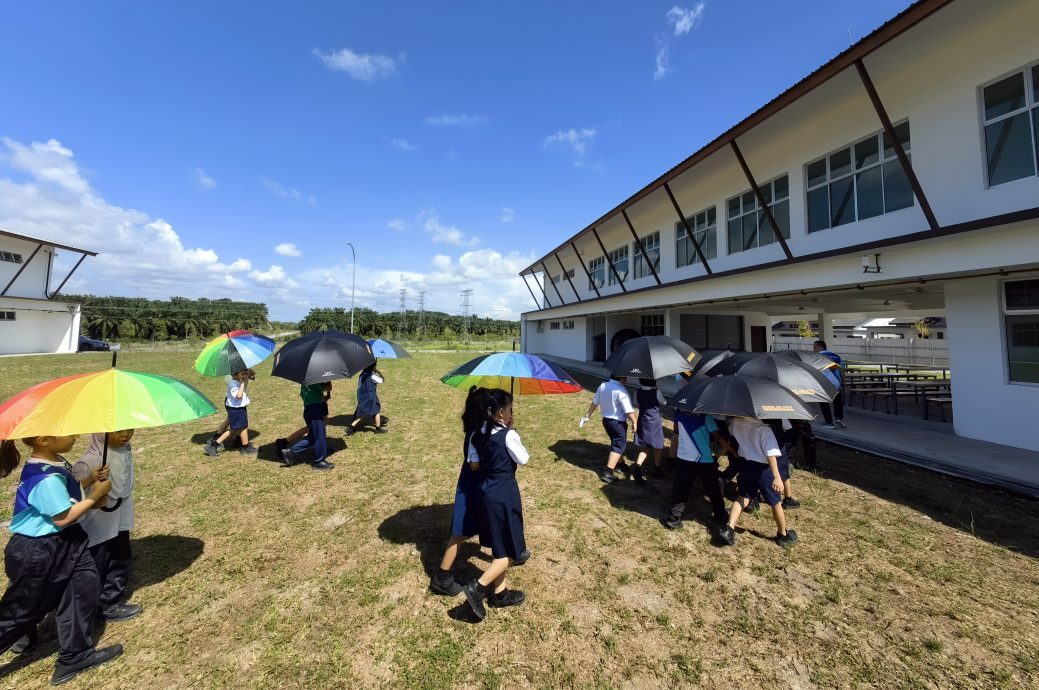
x=758, y=339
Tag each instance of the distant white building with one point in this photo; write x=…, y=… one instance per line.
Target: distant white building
x=898, y=179
x=32, y=319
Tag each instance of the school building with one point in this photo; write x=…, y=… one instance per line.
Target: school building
x=898, y=180
x=32, y=318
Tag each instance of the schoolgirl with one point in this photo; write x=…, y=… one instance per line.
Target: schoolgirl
x=47, y=560
x=368, y=404
x=108, y=529
x=495, y=450
x=649, y=429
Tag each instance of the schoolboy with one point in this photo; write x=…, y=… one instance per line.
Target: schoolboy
x=691, y=444
x=617, y=411
x=315, y=414
x=235, y=402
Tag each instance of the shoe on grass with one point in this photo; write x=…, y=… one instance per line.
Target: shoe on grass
x=25, y=642
x=523, y=557
x=474, y=596
x=323, y=465
x=790, y=502
x=444, y=583
x=752, y=506
x=63, y=673
x=607, y=476
x=636, y=473
x=506, y=597
x=249, y=449
x=671, y=523
x=381, y=430
x=727, y=535
x=788, y=539
x=121, y=612
x=212, y=449
x=288, y=457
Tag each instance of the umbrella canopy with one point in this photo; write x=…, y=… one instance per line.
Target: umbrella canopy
x=651, y=357
x=740, y=396
x=322, y=356
x=515, y=372
x=234, y=351
x=111, y=400
x=725, y=363
x=812, y=359
x=384, y=349
x=804, y=381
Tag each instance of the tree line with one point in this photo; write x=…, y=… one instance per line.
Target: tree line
x=429, y=324
x=138, y=318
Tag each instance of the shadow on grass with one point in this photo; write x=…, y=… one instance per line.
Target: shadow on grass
x=429, y=528
x=232, y=441
x=986, y=513
x=269, y=452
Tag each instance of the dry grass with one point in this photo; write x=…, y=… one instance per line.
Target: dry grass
x=254, y=575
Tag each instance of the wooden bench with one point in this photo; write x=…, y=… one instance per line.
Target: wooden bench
x=863, y=390
x=940, y=401
x=890, y=396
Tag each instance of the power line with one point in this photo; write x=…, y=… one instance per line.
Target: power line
x=421, y=313
x=467, y=296
x=403, y=312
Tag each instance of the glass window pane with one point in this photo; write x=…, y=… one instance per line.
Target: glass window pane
x=897, y=192
x=818, y=209
x=1035, y=132
x=709, y=245
x=866, y=153
x=782, y=187
x=734, y=207
x=1005, y=96
x=735, y=236
x=840, y=163
x=842, y=202
x=870, y=190
x=1022, y=294
x=1035, y=84
x=750, y=230
x=1008, y=145
x=816, y=172
x=711, y=217
x=902, y=132
x=766, y=191
x=781, y=212
x=1022, y=334
x=765, y=234
x=701, y=218
x=749, y=201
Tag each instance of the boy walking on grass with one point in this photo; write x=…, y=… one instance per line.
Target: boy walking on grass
x=235, y=402
x=758, y=474
x=692, y=446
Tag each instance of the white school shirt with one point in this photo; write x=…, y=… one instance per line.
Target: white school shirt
x=232, y=390
x=757, y=442
x=612, y=397
x=102, y=525
x=513, y=443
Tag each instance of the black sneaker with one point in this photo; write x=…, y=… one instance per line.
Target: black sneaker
x=381, y=430
x=249, y=450
x=727, y=535
x=671, y=524
x=506, y=597
x=445, y=584
x=752, y=506
x=625, y=468
x=63, y=673
x=280, y=444
x=636, y=472
x=474, y=595
x=212, y=449
x=607, y=476
x=25, y=642
x=323, y=465
x=122, y=612
x=288, y=457
x=350, y=430
x=523, y=557
x=788, y=539
x=790, y=502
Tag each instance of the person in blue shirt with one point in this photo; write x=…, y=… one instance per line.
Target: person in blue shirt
x=834, y=415
x=692, y=446
x=47, y=560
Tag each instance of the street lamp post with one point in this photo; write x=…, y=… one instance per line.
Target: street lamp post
x=353, y=283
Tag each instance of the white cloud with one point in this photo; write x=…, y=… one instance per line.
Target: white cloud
x=576, y=139
x=507, y=214
x=403, y=144
x=287, y=249
x=274, y=276
x=285, y=192
x=361, y=66
x=204, y=181
x=680, y=20
x=462, y=121
x=444, y=234
x=397, y=224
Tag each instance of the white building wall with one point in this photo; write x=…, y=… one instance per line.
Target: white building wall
x=986, y=406
x=564, y=342
x=39, y=327
x=33, y=280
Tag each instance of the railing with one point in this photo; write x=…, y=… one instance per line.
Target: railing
x=881, y=350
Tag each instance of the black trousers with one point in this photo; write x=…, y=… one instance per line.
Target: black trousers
x=801, y=431
x=733, y=469
x=686, y=473
x=113, y=568
x=837, y=409
x=48, y=572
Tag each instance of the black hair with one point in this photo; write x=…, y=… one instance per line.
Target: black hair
x=474, y=414
x=648, y=383
x=9, y=455
x=821, y=343
x=494, y=401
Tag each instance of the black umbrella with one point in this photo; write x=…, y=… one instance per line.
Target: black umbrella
x=804, y=381
x=812, y=359
x=740, y=396
x=651, y=357
x=322, y=356
x=726, y=363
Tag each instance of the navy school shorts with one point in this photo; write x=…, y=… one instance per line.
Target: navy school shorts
x=618, y=433
x=237, y=418
x=755, y=477
x=783, y=465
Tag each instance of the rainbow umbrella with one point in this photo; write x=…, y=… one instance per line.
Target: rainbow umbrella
x=234, y=351
x=384, y=349
x=515, y=372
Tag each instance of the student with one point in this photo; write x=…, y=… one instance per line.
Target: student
x=315, y=416
x=235, y=402
x=759, y=474
x=108, y=529
x=368, y=404
x=47, y=560
x=613, y=398
x=801, y=431
x=692, y=446
x=495, y=450
x=781, y=429
x=224, y=424
x=834, y=415
x=649, y=432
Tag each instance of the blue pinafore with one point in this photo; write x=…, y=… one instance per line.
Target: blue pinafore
x=650, y=430
x=501, y=523
x=465, y=521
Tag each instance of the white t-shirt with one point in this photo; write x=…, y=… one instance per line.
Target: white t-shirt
x=614, y=400
x=757, y=442
x=232, y=390
x=513, y=443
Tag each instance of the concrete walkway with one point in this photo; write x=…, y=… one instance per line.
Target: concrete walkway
x=925, y=443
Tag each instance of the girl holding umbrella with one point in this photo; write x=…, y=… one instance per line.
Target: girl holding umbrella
x=368, y=404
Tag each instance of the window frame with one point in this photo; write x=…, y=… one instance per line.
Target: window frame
x=760, y=218
x=636, y=256
x=708, y=229
x=597, y=272
x=11, y=257
x=643, y=326
x=1031, y=104
x=8, y=315
x=1006, y=311
x=620, y=276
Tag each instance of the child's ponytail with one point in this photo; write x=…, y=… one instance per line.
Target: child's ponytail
x=9, y=457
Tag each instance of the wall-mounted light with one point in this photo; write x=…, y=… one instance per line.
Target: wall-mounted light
x=871, y=264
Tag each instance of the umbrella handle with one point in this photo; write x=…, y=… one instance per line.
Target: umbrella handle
x=104, y=461
x=109, y=509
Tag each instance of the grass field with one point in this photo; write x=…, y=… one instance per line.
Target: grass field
x=255, y=575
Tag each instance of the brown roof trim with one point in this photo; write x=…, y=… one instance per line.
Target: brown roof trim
x=866, y=247
x=887, y=31
x=49, y=243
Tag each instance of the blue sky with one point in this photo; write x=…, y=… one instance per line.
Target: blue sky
x=450, y=142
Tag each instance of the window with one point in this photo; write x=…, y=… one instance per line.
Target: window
x=704, y=226
x=568, y=325
x=553, y=326
x=1021, y=323
x=652, y=324
x=569, y=274
x=858, y=182
x=619, y=259
x=9, y=256
x=748, y=226
x=1010, y=112
x=711, y=331
x=555, y=280
x=596, y=269
x=6, y=316
x=651, y=243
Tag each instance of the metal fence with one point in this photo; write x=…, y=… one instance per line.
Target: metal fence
x=880, y=350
